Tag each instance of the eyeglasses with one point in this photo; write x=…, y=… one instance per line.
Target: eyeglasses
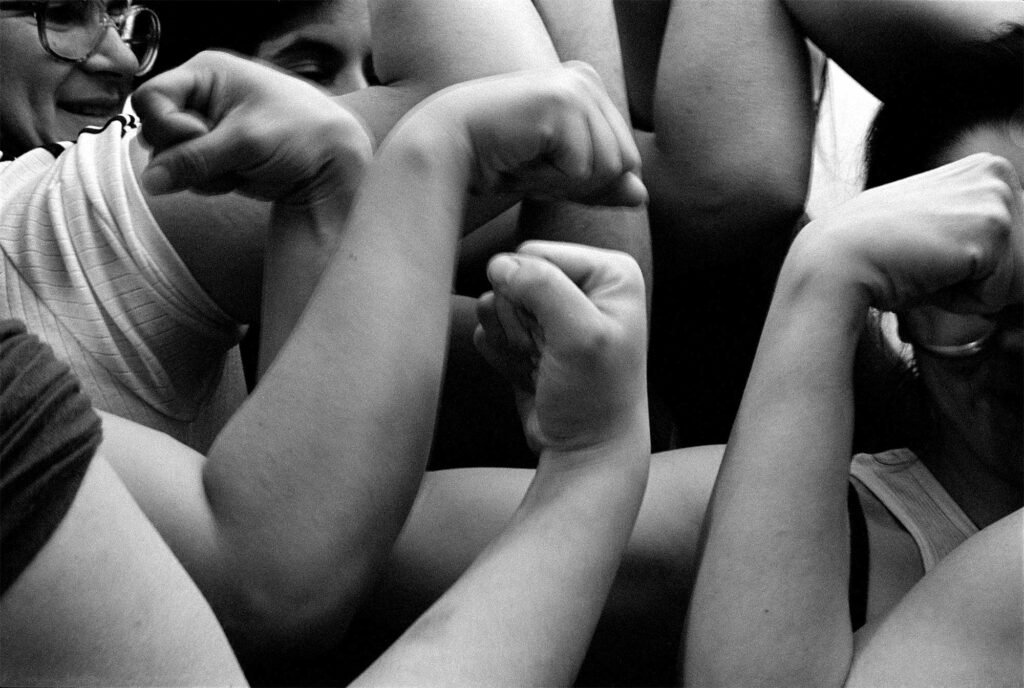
x=73, y=30
x=962, y=336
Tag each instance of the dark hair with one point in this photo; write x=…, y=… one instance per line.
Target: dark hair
x=978, y=84
x=235, y=25
x=890, y=408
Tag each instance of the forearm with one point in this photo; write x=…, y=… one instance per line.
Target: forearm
x=300, y=244
x=769, y=604
x=910, y=40
x=554, y=562
x=336, y=435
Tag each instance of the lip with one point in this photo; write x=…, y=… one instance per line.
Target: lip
x=92, y=109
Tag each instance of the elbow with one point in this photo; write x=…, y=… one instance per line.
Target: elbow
x=745, y=197
x=725, y=215
x=767, y=189
x=291, y=612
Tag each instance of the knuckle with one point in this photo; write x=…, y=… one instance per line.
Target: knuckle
x=588, y=344
x=251, y=142
x=631, y=271
x=345, y=138
x=190, y=164
x=997, y=167
x=583, y=70
x=998, y=164
x=560, y=96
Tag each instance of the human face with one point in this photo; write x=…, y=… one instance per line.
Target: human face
x=46, y=99
x=328, y=45
x=978, y=396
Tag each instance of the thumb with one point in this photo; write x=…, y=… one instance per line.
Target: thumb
x=544, y=291
x=627, y=190
x=201, y=162
x=166, y=125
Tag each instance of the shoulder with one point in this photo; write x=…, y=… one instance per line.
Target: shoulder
x=961, y=624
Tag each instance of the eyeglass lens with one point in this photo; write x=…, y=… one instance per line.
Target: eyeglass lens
x=75, y=28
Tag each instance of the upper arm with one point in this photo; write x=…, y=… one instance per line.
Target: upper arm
x=733, y=116
x=441, y=42
x=422, y=46
x=104, y=602
x=890, y=46
x=164, y=477
x=960, y=625
x=220, y=239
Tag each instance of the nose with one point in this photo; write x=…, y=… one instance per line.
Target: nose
x=112, y=57
x=351, y=78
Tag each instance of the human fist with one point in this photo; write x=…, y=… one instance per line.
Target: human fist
x=220, y=123
x=567, y=324
x=549, y=133
x=952, y=237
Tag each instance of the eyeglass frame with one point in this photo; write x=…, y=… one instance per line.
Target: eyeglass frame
x=38, y=9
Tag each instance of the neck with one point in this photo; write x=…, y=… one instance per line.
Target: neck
x=984, y=490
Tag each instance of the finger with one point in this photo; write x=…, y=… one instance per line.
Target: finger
x=202, y=162
x=606, y=151
x=490, y=325
x=543, y=290
x=166, y=125
x=490, y=340
x=570, y=150
x=494, y=355
x=513, y=324
x=170, y=104
x=626, y=190
x=588, y=267
x=620, y=127
x=616, y=121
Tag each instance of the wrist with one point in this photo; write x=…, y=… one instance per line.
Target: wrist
x=627, y=448
x=822, y=266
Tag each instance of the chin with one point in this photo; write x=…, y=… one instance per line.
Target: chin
x=72, y=125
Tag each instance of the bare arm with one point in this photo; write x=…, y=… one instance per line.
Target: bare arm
x=459, y=513
x=91, y=611
x=961, y=625
x=419, y=47
x=730, y=159
x=322, y=439
x=910, y=40
x=727, y=166
x=769, y=604
x=767, y=575
x=585, y=30
x=523, y=613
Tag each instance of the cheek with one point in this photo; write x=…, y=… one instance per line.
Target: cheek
x=30, y=81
